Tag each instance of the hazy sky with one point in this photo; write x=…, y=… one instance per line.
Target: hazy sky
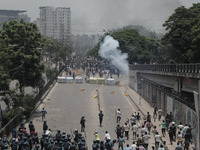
x=92, y=16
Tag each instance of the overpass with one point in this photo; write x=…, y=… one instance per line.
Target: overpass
x=169, y=87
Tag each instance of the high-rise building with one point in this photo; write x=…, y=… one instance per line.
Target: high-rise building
x=8, y=15
x=55, y=23
x=83, y=43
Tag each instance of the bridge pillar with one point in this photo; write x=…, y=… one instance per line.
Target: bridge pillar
x=162, y=102
x=150, y=94
x=158, y=97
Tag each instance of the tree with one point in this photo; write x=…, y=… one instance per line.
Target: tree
x=55, y=51
x=139, y=48
x=22, y=48
x=183, y=33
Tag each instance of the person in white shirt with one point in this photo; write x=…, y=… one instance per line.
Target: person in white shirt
x=157, y=140
x=142, y=131
x=135, y=129
x=118, y=115
x=126, y=128
x=107, y=136
x=161, y=147
x=180, y=126
x=185, y=129
x=133, y=146
x=145, y=140
x=48, y=132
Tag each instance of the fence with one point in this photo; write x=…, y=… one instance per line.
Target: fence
x=179, y=68
x=16, y=120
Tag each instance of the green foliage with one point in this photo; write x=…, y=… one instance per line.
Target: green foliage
x=51, y=72
x=21, y=49
x=55, y=51
x=143, y=31
x=139, y=48
x=4, y=81
x=22, y=105
x=184, y=33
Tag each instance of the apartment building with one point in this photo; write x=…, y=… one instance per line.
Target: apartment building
x=55, y=22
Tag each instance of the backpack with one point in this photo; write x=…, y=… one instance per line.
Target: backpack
x=148, y=125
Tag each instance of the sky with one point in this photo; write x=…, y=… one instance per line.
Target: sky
x=98, y=16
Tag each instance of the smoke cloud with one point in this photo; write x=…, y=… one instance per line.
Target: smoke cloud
x=109, y=51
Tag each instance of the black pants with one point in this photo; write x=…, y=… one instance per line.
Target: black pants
x=100, y=121
x=146, y=146
x=82, y=128
x=127, y=134
x=118, y=119
x=118, y=135
x=121, y=145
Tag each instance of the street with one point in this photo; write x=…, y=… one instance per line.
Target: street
x=66, y=104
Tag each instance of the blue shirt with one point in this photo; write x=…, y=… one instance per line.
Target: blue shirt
x=44, y=112
x=127, y=148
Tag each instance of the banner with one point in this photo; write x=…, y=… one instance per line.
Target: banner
x=196, y=101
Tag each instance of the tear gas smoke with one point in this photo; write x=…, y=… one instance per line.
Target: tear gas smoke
x=110, y=51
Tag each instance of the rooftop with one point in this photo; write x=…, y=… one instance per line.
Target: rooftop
x=11, y=12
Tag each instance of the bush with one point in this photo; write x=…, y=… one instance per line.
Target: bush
x=51, y=73
x=23, y=105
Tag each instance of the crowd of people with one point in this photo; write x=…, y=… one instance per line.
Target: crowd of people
x=91, y=66
x=139, y=129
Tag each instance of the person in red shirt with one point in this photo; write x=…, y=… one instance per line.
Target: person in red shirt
x=24, y=131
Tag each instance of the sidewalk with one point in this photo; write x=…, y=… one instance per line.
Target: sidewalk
x=145, y=107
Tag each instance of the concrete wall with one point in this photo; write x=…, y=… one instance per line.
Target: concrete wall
x=156, y=97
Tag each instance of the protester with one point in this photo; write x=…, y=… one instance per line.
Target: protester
x=135, y=129
x=44, y=112
x=163, y=128
x=82, y=122
x=118, y=115
x=100, y=117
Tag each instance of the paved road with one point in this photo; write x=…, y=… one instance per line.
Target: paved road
x=66, y=104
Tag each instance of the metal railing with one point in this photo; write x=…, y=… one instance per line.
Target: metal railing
x=170, y=92
x=179, y=68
